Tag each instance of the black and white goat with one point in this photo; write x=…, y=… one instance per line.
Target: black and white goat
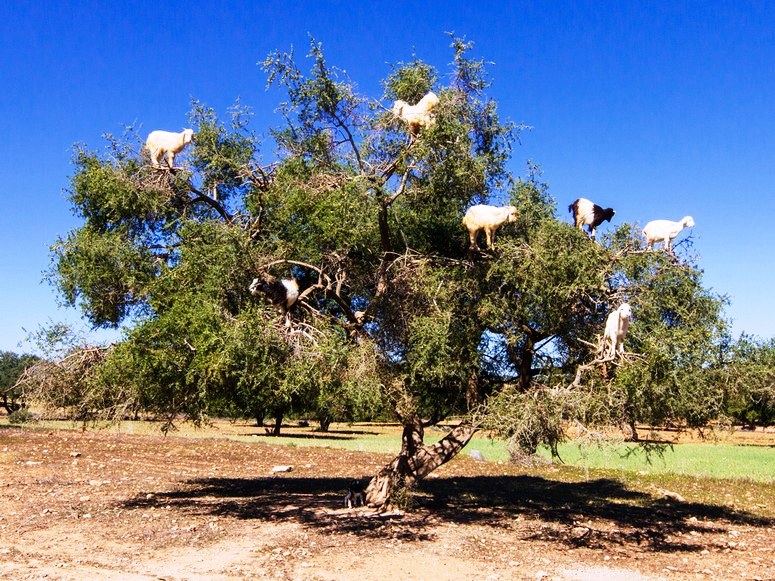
x=282, y=293
x=587, y=213
x=355, y=495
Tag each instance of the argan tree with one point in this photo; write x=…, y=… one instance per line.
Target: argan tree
x=394, y=309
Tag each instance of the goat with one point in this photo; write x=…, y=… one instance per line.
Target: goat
x=587, y=213
x=161, y=142
x=664, y=231
x=489, y=219
x=355, y=495
x=417, y=116
x=616, y=326
x=282, y=293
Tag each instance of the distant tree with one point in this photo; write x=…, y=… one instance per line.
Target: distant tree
x=394, y=310
x=749, y=379
x=12, y=366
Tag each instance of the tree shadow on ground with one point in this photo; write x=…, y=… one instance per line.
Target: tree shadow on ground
x=309, y=436
x=594, y=513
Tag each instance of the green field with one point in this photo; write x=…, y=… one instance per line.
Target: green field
x=713, y=459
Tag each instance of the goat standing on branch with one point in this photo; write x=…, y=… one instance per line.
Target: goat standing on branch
x=587, y=213
x=616, y=330
x=417, y=116
x=282, y=293
x=161, y=142
x=664, y=231
x=489, y=219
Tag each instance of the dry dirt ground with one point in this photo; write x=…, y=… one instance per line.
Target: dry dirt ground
x=101, y=505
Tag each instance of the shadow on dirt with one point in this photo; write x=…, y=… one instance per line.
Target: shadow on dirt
x=313, y=436
x=596, y=513
x=338, y=435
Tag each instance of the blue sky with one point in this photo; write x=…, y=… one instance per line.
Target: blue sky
x=659, y=109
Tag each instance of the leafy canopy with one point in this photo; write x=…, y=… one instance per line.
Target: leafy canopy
x=395, y=312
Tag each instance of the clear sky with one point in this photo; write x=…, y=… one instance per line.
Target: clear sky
x=659, y=109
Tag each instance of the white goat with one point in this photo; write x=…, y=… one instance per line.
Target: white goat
x=489, y=219
x=616, y=326
x=417, y=116
x=161, y=142
x=586, y=213
x=665, y=230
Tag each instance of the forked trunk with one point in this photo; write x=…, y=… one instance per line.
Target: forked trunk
x=416, y=460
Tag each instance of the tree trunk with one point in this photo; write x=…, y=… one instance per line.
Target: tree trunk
x=522, y=355
x=633, y=431
x=416, y=460
x=278, y=423
x=473, y=397
x=325, y=423
x=525, y=366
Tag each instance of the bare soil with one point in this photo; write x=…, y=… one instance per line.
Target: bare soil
x=102, y=505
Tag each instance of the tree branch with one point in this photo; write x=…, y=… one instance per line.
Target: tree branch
x=326, y=284
x=351, y=139
x=200, y=197
x=401, y=187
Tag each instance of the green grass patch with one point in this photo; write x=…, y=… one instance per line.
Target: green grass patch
x=713, y=460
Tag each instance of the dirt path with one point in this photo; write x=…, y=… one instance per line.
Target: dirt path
x=104, y=506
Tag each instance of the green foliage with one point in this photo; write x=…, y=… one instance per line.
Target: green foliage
x=395, y=314
x=224, y=154
x=21, y=416
x=678, y=333
x=527, y=420
x=67, y=381
x=12, y=367
x=106, y=273
x=749, y=380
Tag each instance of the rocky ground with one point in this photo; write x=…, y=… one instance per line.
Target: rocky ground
x=101, y=505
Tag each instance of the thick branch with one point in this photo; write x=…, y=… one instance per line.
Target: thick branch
x=200, y=197
x=390, y=168
x=384, y=230
x=428, y=458
x=599, y=360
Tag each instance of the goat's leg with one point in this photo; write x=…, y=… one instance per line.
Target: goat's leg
x=472, y=238
x=490, y=232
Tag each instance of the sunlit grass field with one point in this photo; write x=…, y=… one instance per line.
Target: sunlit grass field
x=722, y=458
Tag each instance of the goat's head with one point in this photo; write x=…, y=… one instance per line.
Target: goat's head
x=511, y=213
x=398, y=107
x=255, y=286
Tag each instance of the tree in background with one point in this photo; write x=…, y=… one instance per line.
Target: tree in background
x=12, y=366
x=749, y=381
x=394, y=310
